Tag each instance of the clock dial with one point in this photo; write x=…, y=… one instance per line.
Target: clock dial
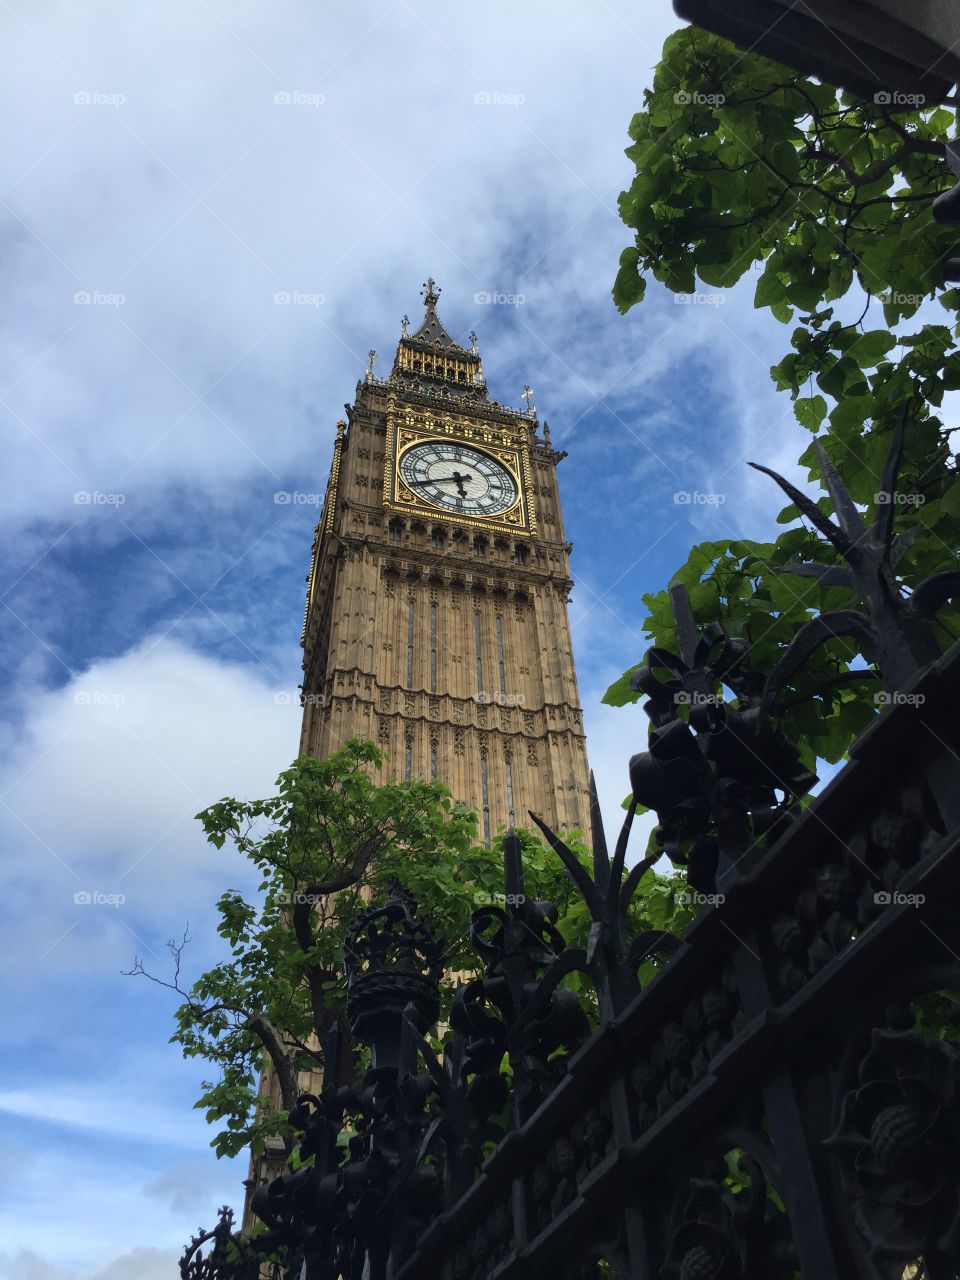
x=458, y=478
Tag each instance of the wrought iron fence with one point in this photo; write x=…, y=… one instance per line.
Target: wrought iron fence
x=782, y=1100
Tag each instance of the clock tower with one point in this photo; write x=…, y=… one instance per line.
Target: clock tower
x=436, y=620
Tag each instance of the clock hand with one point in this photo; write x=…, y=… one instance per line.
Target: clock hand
x=456, y=477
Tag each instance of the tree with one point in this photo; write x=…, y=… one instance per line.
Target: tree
x=744, y=165
x=329, y=841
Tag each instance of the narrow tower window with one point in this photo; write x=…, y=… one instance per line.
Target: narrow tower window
x=410, y=643
x=485, y=790
x=479, y=645
x=433, y=648
x=408, y=760
x=439, y=537
x=510, y=791
x=433, y=760
x=500, y=662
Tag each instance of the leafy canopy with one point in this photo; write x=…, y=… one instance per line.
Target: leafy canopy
x=743, y=166
x=327, y=843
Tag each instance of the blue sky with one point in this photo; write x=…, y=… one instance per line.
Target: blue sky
x=170, y=170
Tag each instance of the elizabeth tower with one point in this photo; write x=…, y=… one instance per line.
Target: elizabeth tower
x=436, y=621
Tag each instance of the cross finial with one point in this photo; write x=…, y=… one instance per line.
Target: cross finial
x=474, y=342
x=371, y=361
x=404, y=325
x=430, y=293
x=527, y=395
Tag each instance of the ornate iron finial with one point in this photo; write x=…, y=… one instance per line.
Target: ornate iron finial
x=393, y=963
x=896, y=631
x=371, y=361
x=474, y=342
x=721, y=778
x=527, y=396
x=404, y=325
x=429, y=292
x=224, y=1258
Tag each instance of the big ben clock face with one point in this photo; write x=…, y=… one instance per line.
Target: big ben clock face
x=458, y=478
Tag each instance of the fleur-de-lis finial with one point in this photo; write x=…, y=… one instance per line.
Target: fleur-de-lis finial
x=404, y=325
x=474, y=342
x=371, y=361
x=527, y=395
x=430, y=293
x=895, y=629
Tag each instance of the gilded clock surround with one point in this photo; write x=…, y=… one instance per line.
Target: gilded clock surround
x=500, y=446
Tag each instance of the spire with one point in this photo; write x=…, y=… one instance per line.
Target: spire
x=431, y=332
x=431, y=358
